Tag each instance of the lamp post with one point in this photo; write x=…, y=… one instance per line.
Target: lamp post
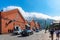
x=45, y=25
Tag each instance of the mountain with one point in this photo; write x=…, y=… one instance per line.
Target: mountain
x=43, y=22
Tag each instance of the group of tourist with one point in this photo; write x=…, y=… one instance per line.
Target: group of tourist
x=56, y=31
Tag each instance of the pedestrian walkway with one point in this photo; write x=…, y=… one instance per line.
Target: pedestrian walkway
x=48, y=36
x=36, y=36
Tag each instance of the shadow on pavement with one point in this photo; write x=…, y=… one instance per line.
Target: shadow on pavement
x=13, y=34
x=22, y=36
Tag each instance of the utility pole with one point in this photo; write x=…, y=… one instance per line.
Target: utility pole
x=45, y=26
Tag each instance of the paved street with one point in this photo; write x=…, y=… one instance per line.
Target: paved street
x=36, y=36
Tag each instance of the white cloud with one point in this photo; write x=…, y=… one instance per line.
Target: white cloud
x=31, y=14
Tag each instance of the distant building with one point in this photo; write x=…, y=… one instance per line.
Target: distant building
x=55, y=24
x=37, y=25
x=34, y=25
x=56, y=21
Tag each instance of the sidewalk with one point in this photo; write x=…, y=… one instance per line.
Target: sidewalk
x=36, y=36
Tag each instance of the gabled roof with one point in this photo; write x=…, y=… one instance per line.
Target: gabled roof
x=10, y=12
x=32, y=21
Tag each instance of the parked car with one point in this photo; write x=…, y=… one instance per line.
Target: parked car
x=30, y=32
x=27, y=31
x=17, y=30
x=37, y=30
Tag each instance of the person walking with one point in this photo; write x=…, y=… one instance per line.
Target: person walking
x=51, y=33
x=57, y=34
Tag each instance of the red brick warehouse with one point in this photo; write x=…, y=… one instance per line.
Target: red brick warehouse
x=9, y=19
x=34, y=25
x=37, y=25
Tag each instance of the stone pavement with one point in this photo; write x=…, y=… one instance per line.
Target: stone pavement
x=36, y=36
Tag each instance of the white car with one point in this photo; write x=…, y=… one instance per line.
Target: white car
x=17, y=30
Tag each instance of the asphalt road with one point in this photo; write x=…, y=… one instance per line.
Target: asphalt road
x=36, y=36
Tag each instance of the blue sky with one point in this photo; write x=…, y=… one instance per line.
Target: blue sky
x=49, y=7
